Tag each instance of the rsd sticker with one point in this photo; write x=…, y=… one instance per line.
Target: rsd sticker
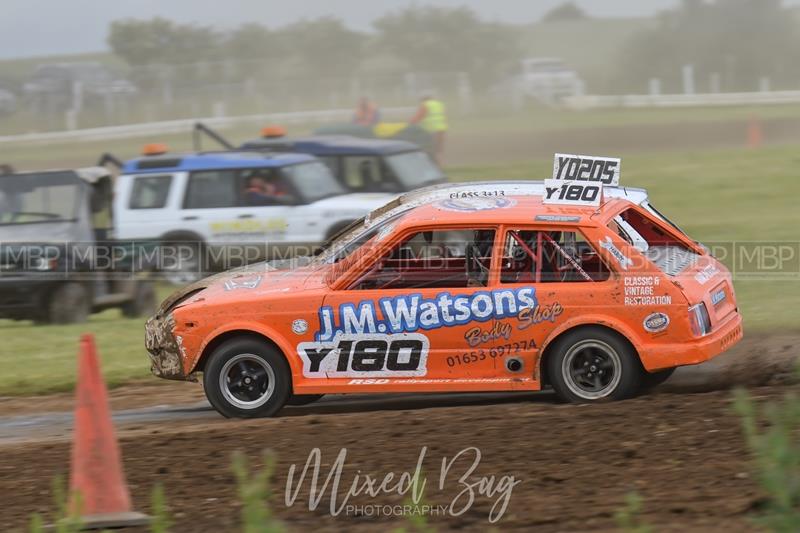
x=656, y=322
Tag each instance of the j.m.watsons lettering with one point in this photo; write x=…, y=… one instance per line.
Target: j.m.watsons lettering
x=413, y=312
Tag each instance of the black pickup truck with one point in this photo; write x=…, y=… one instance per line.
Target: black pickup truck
x=58, y=260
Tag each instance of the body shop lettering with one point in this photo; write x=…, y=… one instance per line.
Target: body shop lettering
x=413, y=312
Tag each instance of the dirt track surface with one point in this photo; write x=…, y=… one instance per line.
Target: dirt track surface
x=683, y=453
x=680, y=448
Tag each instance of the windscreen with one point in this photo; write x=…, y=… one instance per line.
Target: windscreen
x=313, y=181
x=39, y=198
x=414, y=169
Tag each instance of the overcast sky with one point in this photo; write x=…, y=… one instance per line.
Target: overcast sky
x=45, y=27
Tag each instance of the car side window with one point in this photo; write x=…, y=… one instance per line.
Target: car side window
x=330, y=161
x=212, y=189
x=450, y=258
x=362, y=173
x=150, y=192
x=263, y=187
x=533, y=256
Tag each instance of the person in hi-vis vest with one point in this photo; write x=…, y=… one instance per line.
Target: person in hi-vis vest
x=431, y=117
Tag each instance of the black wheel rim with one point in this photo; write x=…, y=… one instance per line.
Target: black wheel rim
x=591, y=369
x=247, y=381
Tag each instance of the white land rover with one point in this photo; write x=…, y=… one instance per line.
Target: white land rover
x=212, y=211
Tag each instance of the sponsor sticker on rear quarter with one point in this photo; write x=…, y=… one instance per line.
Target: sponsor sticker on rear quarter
x=656, y=322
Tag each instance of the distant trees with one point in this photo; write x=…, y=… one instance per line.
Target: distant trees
x=566, y=11
x=322, y=45
x=417, y=38
x=733, y=41
x=159, y=41
x=738, y=40
x=434, y=39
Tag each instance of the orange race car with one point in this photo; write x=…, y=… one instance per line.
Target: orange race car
x=469, y=287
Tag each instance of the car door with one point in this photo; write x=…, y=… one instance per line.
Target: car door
x=216, y=204
x=425, y=308
x=568, y=278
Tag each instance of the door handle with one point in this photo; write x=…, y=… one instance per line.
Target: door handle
x=246, y=216
x=190, y=218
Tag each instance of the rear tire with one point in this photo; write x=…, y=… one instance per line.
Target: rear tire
x=246, y=378
x=69, y=304
x=592, y=364
x=143, y=301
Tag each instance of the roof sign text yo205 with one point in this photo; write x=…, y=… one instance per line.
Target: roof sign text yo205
x=579, y=179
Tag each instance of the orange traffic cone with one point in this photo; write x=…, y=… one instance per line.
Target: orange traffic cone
x=97, y=481
x=755, y=133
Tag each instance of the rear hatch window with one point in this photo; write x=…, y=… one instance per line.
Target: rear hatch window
x=666, y=250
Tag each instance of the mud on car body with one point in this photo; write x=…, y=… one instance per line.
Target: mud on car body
x=472, y=287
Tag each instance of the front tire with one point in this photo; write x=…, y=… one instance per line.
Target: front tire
x=593, y=364
x=247, y=378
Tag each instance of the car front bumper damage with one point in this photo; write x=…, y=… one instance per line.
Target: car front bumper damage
x=165, y=350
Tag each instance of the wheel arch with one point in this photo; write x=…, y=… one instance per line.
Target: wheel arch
x=263, y=334
x=614, y=327
x=181, y=235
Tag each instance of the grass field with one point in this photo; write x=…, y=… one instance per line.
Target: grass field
x=722, y=196
x=484, y=121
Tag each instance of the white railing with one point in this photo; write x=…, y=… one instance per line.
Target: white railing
x=186, y=125
x=681, y=100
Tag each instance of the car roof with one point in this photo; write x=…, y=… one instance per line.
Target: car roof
x=520, y=210
x=329, y=145
x=90, y=175
x=212, y=161
x=450, y=203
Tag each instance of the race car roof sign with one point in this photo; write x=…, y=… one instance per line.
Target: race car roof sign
x=579, y=179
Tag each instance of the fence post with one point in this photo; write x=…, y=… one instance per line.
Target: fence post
x=688, y=79
x=464, y=91
x=71, y=119
x=654, y=87
x=219, y=109
x=715, y=83
x=411, y=85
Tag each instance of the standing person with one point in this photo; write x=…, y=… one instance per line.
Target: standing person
x=367, y=113
x=431, y=117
